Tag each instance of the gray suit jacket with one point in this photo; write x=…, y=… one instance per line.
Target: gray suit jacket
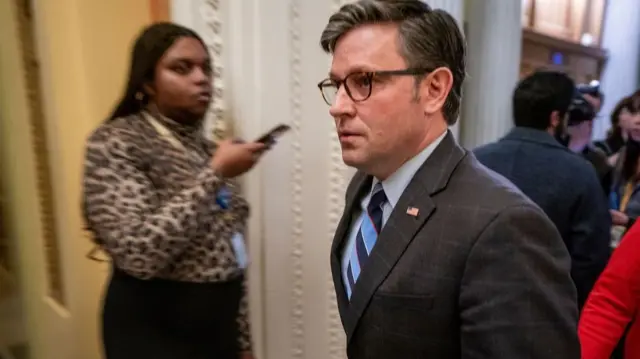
x=480, y=272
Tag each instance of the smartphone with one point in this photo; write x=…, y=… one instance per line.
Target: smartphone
x=272, y=136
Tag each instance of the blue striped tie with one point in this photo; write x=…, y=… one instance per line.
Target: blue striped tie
x=366, y=237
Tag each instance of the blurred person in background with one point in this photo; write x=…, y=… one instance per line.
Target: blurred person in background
x=562, y=183
x=621, y=123
x=161, y=201
x=625, y=193
x=578, y=137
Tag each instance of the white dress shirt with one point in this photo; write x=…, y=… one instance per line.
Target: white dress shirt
x=393, y=187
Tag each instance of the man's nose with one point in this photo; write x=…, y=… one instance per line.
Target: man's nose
x=342, y=105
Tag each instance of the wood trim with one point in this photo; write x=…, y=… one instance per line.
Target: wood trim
x=160, y=10
x=564, y=45
x=603, y=23
x=532, y=14
x=568, y=20
x=586, y=20
x=40, y=145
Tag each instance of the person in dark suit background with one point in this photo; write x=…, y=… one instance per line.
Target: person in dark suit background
x=435, y=256
x=561, y=182
x=581, y=116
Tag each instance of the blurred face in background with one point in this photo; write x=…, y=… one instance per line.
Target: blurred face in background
x=630, y=123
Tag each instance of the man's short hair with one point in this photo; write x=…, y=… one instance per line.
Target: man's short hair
x=428, y=38
x=540, y=94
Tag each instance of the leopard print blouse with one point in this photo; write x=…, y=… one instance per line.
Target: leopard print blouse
x=152, y=205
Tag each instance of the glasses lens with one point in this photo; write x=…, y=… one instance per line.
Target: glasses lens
x=329, y=92
x=359, y=86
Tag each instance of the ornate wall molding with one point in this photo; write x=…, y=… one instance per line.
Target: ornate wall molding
x=211, y=32
x=55, y=288
x=337, y=187
x=297, y=308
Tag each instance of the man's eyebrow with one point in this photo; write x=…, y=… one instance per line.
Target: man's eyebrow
x=355, y=69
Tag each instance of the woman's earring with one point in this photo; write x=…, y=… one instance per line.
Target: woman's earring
x=139, y=96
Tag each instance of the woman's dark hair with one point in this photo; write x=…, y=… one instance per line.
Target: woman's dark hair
x=614, y=136
x=149, y=47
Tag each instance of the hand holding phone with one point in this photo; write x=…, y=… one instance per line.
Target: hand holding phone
x=233, y=158
x=271, y=137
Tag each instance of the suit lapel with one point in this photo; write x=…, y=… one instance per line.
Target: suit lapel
x=401, y=228
x=359, y=186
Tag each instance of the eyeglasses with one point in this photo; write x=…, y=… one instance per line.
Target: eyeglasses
x=359, y=85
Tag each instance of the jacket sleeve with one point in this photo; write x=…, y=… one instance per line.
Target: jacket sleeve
x=141, y=234
x=517, y=298
x=614, y=300
x=590, y=237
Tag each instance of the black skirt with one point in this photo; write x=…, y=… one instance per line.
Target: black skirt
x=163, y=319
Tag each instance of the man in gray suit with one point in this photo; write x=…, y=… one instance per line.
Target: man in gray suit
x=435, y=256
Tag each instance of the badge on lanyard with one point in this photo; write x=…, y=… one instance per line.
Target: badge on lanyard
x=223, y=197
x=237, y=241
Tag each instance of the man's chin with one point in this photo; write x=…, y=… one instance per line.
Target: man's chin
x=352, y=159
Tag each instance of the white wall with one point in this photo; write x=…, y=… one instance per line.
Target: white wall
x=270, y=64
x=621, y=38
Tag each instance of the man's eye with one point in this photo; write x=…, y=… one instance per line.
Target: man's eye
x=363, y=81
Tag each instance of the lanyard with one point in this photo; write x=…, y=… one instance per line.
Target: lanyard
x=628, y=191
x=224, y=195
x=164, y=132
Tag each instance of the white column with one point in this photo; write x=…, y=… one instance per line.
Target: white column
x=456, y=9
x=494, y=42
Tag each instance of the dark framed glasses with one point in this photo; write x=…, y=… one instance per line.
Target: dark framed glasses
x=359, y=85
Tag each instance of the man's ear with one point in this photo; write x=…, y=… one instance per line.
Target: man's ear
x=555, y=120
x=435, y=88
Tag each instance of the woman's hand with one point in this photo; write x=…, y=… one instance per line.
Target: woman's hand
x=233, y=158
x=618, y=218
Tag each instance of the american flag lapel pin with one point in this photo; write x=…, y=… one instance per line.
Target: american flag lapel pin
x=413, y=211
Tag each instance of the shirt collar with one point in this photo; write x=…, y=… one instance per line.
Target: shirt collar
x=395, y=184
x=188, y=131
x=532, y=135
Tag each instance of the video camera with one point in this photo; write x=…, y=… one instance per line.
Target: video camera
x=591, y=89
x=580, y=109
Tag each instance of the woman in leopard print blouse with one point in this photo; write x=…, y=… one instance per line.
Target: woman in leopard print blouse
x=160, y=200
